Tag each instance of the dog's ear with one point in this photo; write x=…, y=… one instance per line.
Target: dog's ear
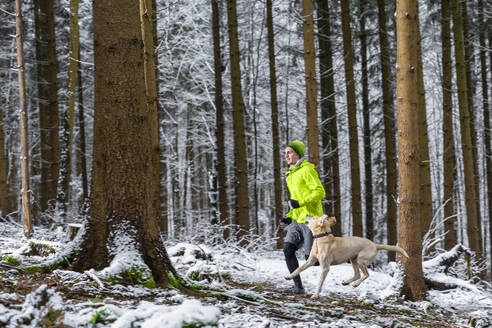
x=332, y=220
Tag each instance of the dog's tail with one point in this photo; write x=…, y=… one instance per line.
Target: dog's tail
x=392, y=248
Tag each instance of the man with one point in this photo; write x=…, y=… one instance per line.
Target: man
x=306, y=193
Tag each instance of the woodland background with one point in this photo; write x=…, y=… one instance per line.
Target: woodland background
x=353, y=121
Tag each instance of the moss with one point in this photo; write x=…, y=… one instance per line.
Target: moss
x=98, y=317
x=133, y=276
x=11, y=260
x=39, y=249
x=198, y=324
x=51, y=318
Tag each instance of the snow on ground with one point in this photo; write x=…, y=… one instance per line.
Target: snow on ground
x=242, y=292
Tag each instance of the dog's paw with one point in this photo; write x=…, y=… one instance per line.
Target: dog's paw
x=288, y=277
x=356, y=284
x=345, y=283
x=314, y=296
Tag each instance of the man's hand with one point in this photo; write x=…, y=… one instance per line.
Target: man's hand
x=285, y=222
x=293, y=204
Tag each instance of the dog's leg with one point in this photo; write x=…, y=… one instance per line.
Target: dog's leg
x=363, y=267
x=310, y=262
x=324, y=271
x=355, y=266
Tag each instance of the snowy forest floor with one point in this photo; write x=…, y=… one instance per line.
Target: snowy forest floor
x=239, y=289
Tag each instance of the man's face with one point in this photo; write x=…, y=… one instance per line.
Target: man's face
x=291, y=156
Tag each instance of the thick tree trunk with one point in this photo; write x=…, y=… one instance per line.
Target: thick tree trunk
x=150, y=73
x=366, y=120
x=122, y=216
x=389, y=129
x=425, y=178
x=352, y=120
x=311, y=90
x=329, y=129
x=82, y=161
x=219, y=122
x=473, y=228
x=24, y=156
x=449, y=159
x=69, y=113
x=48, y=101
x=240, y=159
x=277, y=183
x=408, y=149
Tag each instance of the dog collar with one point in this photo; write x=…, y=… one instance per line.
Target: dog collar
x=322, y=235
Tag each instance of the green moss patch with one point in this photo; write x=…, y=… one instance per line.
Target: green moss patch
x=39, y=249
x=133, y=276
x=11, y=260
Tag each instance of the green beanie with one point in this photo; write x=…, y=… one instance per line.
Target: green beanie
x=298, y=147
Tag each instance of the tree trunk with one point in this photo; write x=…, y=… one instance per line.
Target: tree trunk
x=425, y=179
x=469, y=60
x=366, y=120
x=277, y=183
x=389, y=129
x=311, y=92
x=450, y=240
x=69, y=114
x=122, y=216
x=147, y=29
x=219, y=122
x=329, y=129
x=486, y=116
x=473, y=228
x=82, y=142
x=408, y=148
x=352, y=120
x=24, y=158
x=4, y=187
x=240, y=159
x=48, y=101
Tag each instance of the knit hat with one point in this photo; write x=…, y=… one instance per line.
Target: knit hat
x=298, y=147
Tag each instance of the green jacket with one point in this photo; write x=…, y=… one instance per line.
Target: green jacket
x=305, y=187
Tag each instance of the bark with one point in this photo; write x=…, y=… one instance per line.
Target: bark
x=150, y=73
x=277, y=183
x=240, y=160
x=311, y=88
x=473, y=228
x=366, y=120
x=425, y=179
x=408, y=149
x=69, y=114
x=486, y=115
x=48, y=101
x=329, y=129
x=389, y=129
x=352, y=120
x=448, y=134
x=219, y=121
x=122, y=191
x=24, y=158
x=82, y=162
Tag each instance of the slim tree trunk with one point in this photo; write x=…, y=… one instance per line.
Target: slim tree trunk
x=277, y=183
x=352, y=120
x=219, y=122
x=408, y=148
x=473, y=228
x=48, y=101
x=82, y=141
x=329, y=129
x=240, y=159
x=24, y=158
x=4, y=187
x=69, y=114
x=389, y=129
x=449, y=160
x=310, y=71
x=486, y=115
x=122, y=193
x=366, y=120
x=425, y=179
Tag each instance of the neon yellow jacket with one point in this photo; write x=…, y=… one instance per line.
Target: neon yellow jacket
x=305, y=187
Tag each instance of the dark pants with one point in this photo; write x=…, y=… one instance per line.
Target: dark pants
x=298, y=235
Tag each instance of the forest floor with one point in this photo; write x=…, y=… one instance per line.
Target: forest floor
x=238, y=289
